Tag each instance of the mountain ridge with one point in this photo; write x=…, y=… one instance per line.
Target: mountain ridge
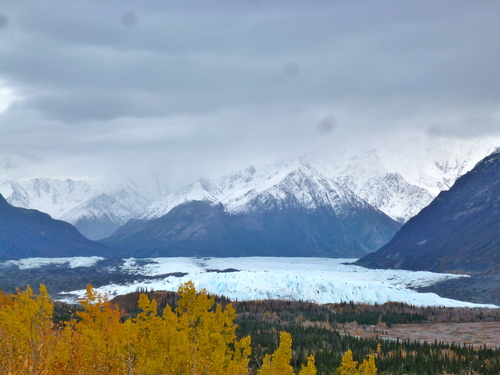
x=458, y=232
x=28, y=233
x=398, y=183
x=295, y=211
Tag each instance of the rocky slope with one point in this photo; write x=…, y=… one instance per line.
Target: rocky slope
x=458, y=232
x=30, y=233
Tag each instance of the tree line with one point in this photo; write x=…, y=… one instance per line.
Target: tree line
x=195, y=333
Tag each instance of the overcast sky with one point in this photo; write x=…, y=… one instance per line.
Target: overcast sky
x=196, y=88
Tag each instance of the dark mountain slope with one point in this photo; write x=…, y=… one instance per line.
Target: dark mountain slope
x=200, y=228
x=30, y=233
x=191, y=229
x=458, y=232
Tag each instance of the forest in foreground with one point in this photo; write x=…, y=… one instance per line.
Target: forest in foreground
x=193, y=333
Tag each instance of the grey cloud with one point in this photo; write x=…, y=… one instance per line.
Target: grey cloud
x=235, y=57
x=246, y=80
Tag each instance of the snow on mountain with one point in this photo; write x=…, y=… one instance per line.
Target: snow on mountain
x=95, y=209
x=297, y=182
x=101, y=215
x=52, y=196
x=396, y=182
x=366, y=175
x=458, y=232
x=200, y=190
x=319, y=280
x=435, y=164
x=254, y=189
x=401, y=180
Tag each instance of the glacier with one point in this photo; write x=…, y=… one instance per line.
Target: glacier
x=318, y=280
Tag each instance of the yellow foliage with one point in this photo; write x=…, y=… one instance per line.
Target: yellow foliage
x=279, y=362
x=350, y=367
x=26, y=332
x=368, y=367
x=196, y=338
x=5, y=299
x=310, y=369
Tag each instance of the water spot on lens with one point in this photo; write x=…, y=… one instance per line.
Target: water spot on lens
x=279, y=79
x=291, y=69
x=434, y=131
x=326, y=125
x=4, y=20
x=129, y=19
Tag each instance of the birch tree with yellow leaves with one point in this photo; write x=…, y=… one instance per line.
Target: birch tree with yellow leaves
x=197, y=338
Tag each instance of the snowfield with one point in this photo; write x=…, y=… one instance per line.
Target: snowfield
x=319, y=280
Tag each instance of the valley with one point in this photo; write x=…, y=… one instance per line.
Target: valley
x=249, y=188
x=405, y=339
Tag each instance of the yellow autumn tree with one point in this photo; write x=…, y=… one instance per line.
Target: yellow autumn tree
x=310, y=368
x=368, y=367
x=350, y=367
x=196, y=338
x=212, y=346
x=97, y=335
x=26, y=333
x=279, y=362
x=155, y=345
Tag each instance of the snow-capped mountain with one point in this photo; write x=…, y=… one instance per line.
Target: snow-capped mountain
x=52, y=196
x=285, y=210
x=458, y=232
x=29, y=233
x=400, y=182
x=101, y=215
x=95, y=210
x=367, y=175
x=295, y=183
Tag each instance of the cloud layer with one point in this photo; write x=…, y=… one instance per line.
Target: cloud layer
x=94, y=88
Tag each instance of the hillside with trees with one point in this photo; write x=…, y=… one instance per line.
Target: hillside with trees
x=194, y=333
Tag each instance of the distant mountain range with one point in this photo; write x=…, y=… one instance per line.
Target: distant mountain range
x=458, y=232
x=346, y=205
x=29, y=233
x=398, y=183
x=95, y=210
x=293, y=210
